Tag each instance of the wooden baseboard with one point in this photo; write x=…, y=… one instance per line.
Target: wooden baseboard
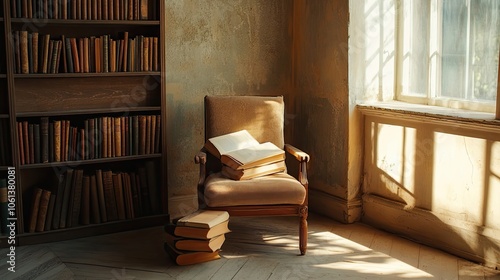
x=334, y=207
x=472, y=242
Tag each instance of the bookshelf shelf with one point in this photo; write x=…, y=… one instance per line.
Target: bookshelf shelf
x=92, y=229
x=104, y=111
x=85, y=75
x=89, y=23
x=82, y=101
x=89, y=161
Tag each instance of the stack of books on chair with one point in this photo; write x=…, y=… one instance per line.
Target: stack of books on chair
x=197, y=237
x=243, y=157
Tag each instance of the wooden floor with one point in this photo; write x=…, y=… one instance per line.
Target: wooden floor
x=258, y=248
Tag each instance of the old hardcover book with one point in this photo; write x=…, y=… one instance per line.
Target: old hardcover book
x=101, y=196
x=44, y=129
x=17, y=50
x=21, y=142
x=144, y=10
x=36, y=142
x=45, y=56
x=58, y=202
x=109, y=194
x=202, y=233
x=187, y=257
x=251, y=157
x=153, y=135
x=51, y=142
x=34, y=47
x=69, y=56
x=123, y=138
x=230, y=142
x=35, y=206
x=250, y=173
x=204, y=219
x=24, y=52
x=158, y=134
x=50, y=212
x=142, y=135
x=199, y=245
x=135, y=135
x=125, y=50
x=127, y=196
x=117, y=136
x=31, y=137
x=42, y=211
x=85, y=201
x=26, y=142
x=75, y=55
x=57, y=140
x=254, y=156
x=120, y=201
x=136, y=198
x=76, y=199
x=66, y=198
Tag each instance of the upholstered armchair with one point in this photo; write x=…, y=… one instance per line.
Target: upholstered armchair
x=278, y=194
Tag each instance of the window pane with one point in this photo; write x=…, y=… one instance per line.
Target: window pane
x=415, y=45
x=470, y=46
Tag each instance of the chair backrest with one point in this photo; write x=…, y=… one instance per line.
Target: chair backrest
x=262, y=116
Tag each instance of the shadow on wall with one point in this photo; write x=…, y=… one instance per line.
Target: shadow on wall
x=435, y=183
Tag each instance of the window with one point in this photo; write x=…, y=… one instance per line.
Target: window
x=448, y=53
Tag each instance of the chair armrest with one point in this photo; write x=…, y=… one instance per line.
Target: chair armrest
x=303, y=159
x=298, y=154
x=201, y=159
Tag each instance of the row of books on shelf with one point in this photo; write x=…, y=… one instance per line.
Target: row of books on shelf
x=83, y=9
x=197, y=237
x=4, y=142
x=41, y=53
x=83, y=198
x=103, y=137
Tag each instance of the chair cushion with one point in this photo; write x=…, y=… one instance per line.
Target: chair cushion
x=279, y=188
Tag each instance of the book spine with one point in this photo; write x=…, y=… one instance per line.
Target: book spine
x=101, y=196
x=110, y=198
x=120, y=202
x=35, y=206
x=50, y=213
x=24, y=52
x=21, y=142
x=44, y=127
x=36, y=136
x=68, y=182
x=85, y=201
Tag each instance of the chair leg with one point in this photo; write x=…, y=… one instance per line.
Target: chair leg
x=303, y=212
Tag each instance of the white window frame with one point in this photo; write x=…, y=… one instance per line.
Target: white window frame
x=433, y=82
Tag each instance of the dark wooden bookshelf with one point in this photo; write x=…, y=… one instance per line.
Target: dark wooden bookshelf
x=85, y=75
x=89, y=23
x=75, y=97
x=92, y=229
x=73, y=163
x=121, y=110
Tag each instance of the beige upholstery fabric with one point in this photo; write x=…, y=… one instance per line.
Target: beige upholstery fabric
x=263, y=120
x=279, y=188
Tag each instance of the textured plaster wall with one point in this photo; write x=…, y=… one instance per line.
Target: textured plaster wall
x=220, y=47
x=321, y=81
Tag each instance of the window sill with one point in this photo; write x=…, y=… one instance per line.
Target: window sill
x=432, y=114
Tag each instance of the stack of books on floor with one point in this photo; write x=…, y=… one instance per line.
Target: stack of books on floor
x=243, y=157
x=197, y=237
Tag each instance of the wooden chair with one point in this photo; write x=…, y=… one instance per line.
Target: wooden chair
x=274, y=195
